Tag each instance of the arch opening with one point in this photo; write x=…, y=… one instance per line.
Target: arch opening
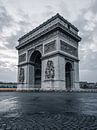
x=68, y=76
x=35, y=60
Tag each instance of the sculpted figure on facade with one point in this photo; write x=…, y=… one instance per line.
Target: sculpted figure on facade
x=50, y=71
x=21, y=75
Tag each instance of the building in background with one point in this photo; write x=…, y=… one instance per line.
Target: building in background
x=87, y=85
x=48, y=57
x=8, y=86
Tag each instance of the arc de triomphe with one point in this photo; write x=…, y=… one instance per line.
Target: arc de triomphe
x=48, y=57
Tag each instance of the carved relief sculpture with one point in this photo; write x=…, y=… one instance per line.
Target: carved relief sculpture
x=68, y=48
x=50, y=47
x=50, y=71
x=22, y=57
x=21, y=75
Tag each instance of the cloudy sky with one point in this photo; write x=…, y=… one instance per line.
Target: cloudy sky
x=20, y=16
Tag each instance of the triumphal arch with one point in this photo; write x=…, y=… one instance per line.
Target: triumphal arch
x=48, y=57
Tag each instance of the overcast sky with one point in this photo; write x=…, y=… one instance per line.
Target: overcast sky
x=18, y=17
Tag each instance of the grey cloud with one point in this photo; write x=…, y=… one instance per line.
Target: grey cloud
x=94, y=6
x=6, y=56
x=90, y=62
x=13, y=40
x=4, y=64
x=64, y=9
x=8, y=67
x=81, y=22
x=5, y=18
x=49, y=11
x=88, y=57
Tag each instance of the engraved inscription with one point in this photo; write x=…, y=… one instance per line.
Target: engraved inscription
x=50, y=47
x=22, y=57
x=68, y=48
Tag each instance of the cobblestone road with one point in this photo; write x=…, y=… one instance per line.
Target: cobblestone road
x=48, y=111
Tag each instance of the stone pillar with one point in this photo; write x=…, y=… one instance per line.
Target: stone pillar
x=58, y=81
x=76, y=76
x=22, y=78
x=61, y=72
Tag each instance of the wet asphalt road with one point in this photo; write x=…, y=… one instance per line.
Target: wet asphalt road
x=48, y=111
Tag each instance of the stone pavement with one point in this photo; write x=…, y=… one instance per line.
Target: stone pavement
x=24, y=111
x=68, y=121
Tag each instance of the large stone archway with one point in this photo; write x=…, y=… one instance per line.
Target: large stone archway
x=35, y=61
x=43, y=54
x=68, y=75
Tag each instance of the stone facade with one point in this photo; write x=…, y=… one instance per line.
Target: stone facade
x=48, y=57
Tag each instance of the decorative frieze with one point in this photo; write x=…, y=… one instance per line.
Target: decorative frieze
x=21, y=75
x=38, y=36
x=68, y=48
x=50, y=70
x=39, y=41
x=38, y=31
x=68, y=38
x=48, y=25
x=22, y=58
x=51, y=46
